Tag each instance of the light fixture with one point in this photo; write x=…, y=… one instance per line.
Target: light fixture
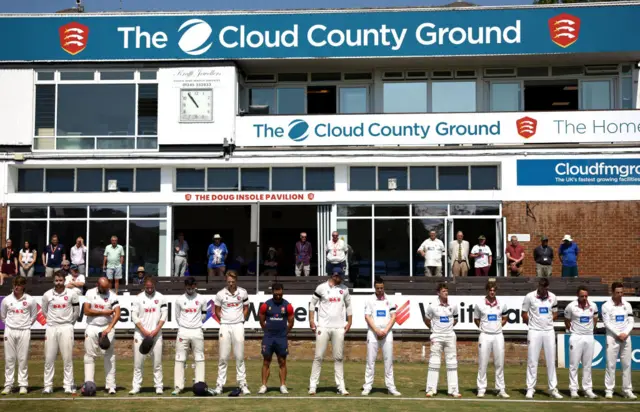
x=570, y=88
x=560, y=104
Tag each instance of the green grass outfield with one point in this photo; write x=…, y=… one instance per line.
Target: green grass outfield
x=410, y=380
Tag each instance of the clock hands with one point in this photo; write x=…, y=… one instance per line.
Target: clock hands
x=194, y=102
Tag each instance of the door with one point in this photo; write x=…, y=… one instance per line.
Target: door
x=501, y=230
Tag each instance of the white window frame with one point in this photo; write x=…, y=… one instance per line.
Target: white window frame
x=612, y=82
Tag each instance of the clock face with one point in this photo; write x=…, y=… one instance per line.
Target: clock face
x=196, y=105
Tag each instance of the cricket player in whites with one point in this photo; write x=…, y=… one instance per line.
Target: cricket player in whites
x=103, y=311
x=148, y=313
x=539, y=311
x=191, y=312
x=490, y=316
x=232, y=308
x=18, y=312
x=618, y=320
x=441, y=316
x=332, y=300
x=380, y=315
x=61, y=307
x=581, y=318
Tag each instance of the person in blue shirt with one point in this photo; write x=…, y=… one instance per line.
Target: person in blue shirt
x=276, y=319
x=217, y=255
x=568, y=253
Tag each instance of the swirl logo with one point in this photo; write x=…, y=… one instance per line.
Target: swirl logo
x=298, y=130
x=195, y=35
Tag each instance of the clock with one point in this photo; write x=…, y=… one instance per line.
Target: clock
x=196, y=105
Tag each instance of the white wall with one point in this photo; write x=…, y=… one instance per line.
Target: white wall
x=223, y=81
x=16, y=106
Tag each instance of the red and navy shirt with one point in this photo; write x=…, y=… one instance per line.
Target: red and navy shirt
x=277, y=315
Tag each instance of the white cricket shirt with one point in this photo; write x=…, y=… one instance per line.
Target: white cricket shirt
x=617, y=318
x=331, y=303
x=191, y=311
x=581, y=318
x=483, y=252
x=149, y=310
x=19, y=313
x=232, y=305
x=108, y=301
x=490, y=315
x=442, y=317
x=60, y=308
x=540, y=310
x=433, y=249
x=379, y=309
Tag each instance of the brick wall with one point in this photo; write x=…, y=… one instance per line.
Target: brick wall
x=303, y=349
x=608, y=234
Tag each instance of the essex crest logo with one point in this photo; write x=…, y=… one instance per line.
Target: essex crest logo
x=564, y=29
x=73, y=37
x=527, y=126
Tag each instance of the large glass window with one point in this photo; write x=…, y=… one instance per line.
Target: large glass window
x=148, y=180
x=32, y=231
x=101, y=232
x=122, y=177
x=60, y=180
x=255, y=179
x=397, y=173
x=358, y=235
x=484, y=177
x=222, y=179
x=362, y=178
x=595, y=95
x=453, y=96
x=353, y=100
x=30, y=180
x=189, y=180
x=626, y=85
x=68, y=231
x=291, y=100
x=148, y=109
x=453, y=178
x=263, y=97
x=423, y=177
x=506, y=97
x=89, y=180
x=392, y=247
x=286, y=178
x=405, y=97
x=45, y=118
x=147, y=246
x=320, y=178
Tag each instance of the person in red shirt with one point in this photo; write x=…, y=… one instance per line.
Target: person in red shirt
x=515, y=257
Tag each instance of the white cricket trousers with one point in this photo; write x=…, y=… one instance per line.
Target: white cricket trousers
x=231, y=336
x=487, y=343
x=537, y=340
x=138, y=361
x=92, y=350
x=580, y=350
x=440, y=343
x=323, y=336
x=58, y=337
x=373, y=343
x=186, y=337
x=16, y=348
x=617, y=348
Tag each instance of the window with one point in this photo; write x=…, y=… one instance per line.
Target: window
x=263, y=97
x=286, y=178
x=320, y=178
x=68, y=231
x=484, y=177
x=189, y=179
x=45, y=117
x=146, y=247
x=354, y=210
x=405, y=97
x=453, y=178
x=101, y=232
x=391, y=246
x=627, y=93
x=255, y=179
x=353, y=100
x=397, y=173
x=89, y=180
x=362, y=178
x=123, y=178
x=147, y=180
x=358, y=235
x=506, y=97
x=291, y=100
x=68, y=212
x=453, y=96
x=221, y=179
x=423, y=177
x=147, y=116
x=111, y=212
x=30, y=180
x=22, y=212
x=595, y=95
x=60, y=180
x=322, y=100
x=147, y=211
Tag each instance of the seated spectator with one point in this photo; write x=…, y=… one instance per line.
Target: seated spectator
x=65, y=267
x=74, y=280
x=139, y=279
x=271, y=263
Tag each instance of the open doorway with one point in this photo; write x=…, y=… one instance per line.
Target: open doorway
x=472, y=229
x=321, y=100
x=550, y=95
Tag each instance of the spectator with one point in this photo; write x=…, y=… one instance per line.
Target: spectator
x=303, y=256
x=53, y=256
x=271, y=263
x=543, y=256
x=75, y=280
x=459, y=254
x=8, y=262
x=113, y=261
x=483, y=257
x=336, y=251
x=139, y=279
x=217, y=255
x=79, y=255
x=27, y=260
x=65, y=267
x=568, y=254
x=181, y=252
x=432, y=251
x=515, y=257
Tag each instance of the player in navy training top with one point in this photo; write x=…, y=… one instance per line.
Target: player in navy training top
x=276, y=319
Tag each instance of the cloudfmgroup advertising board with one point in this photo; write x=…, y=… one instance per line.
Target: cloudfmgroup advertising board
x=578, y=172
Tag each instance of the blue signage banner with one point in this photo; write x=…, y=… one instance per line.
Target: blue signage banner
x=600, y=352
x=578, y=172
x=337, y=34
